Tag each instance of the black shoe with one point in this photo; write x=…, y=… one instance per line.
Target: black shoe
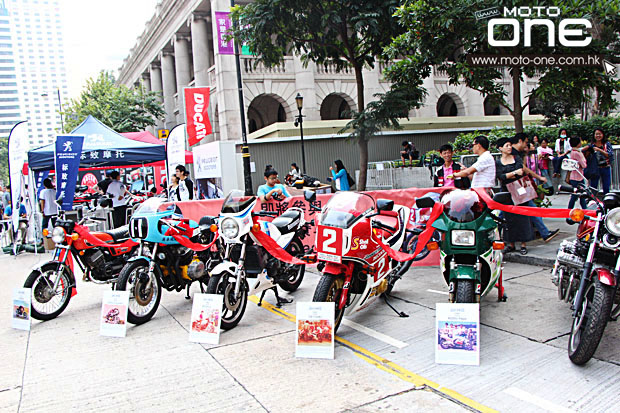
x=570, y=221
x=551, y=235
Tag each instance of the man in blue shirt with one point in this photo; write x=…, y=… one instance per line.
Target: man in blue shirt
x=271, y=189
x=23, y=223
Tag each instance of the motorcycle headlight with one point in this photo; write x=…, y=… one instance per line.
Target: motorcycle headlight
x=58, y=235
x=612, y=222
x=230, y=228
x=464, y=238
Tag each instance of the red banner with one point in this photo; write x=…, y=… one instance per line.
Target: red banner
x=196, y=105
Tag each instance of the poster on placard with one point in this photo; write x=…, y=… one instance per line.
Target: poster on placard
x=114, y=309
x=206, y=318
x=20, y=309
x=457, y=334
x=315, y=330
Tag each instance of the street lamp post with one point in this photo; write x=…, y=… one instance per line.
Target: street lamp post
x=299, y=120
x=45, y=94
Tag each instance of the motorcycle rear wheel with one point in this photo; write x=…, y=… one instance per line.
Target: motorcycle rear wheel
x=232, y=309
x=144, y=304
x=293, y=275
x=45, y=304
x=588, y=327
x=328, y=290
x=465, y=291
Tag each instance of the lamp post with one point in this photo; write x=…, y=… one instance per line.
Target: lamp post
x=45, y=94
x=299, y=120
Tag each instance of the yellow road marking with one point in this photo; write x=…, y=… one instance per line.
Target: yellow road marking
x=386, y=365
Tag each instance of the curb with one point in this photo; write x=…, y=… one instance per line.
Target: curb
x=530, y=260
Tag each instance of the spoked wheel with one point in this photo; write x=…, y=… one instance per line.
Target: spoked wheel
x=590, y=323
x=329, y=290
x=144, y=291
x=233, y=308
x=293, y=275
x=465, y=291
x=47, y=302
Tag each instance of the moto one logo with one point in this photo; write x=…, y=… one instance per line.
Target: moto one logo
x=541, y=17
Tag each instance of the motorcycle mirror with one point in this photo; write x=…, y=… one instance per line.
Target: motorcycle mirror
x=425, y=202
x=309, y=196
x=570, y=165
x=385, y=204
x=503, y=198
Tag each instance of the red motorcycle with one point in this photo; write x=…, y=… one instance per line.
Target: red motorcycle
x=100, y=255
x=355, y=268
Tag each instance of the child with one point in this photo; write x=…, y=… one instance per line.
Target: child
x=576, y=176
x=271, y=189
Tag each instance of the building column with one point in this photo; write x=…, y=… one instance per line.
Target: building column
x=146, y=88
x=169, y=87
x=183, y=64
x=155, y=71
x=200, y=49
x=304, y=84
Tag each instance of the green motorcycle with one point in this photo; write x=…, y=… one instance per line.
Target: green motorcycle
x=470, y=250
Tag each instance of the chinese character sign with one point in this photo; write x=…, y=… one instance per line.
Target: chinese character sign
x=40, y=176
x=68, y=152
x=223, y=26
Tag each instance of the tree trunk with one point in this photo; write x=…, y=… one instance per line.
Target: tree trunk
x=517, y=108
x=363, y=141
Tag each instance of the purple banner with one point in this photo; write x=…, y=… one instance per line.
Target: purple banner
x=222, y=19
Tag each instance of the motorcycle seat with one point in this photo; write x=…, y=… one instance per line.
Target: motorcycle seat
x=288, y=221
x=120, y=233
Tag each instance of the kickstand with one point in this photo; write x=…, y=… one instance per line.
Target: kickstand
x=279, y=299
x=202, y=289
x=187, y=296
x=260, y=302
x=400, y=313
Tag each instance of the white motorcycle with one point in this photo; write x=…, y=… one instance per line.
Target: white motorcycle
x=246, y=257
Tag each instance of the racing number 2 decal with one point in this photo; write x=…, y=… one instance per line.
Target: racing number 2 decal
x=327, y=243
x=330, y=240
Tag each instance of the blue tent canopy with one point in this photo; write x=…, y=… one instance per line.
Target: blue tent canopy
x=102, y=147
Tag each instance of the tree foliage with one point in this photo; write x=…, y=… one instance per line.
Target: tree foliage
x=445, y=32
x=117, y=106
x=4, y=160
x=346, y=33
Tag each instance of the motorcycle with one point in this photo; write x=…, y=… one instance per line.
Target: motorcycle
x=251, y=252
x=166, y=256
x=355, y=269
x=457, y=342
x=470, y=252
x=587, y=268
x=100, y=256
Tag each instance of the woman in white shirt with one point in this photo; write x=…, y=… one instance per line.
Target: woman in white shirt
x=49, y=207
x=173, y=190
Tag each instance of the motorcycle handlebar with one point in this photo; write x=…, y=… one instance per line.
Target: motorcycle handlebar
x=383, y=226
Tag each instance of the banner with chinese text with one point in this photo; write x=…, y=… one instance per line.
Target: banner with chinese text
x=68, y=150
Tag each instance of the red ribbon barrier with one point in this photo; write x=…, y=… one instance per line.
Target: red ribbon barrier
x=83, y=232
x=183, y=237
x=273, y=248
x=528, y=211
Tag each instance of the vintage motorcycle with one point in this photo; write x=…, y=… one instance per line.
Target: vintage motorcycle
x=470, y=252
x=251, y=252
x=356, y=269
x=458, y=342
x=167, y=256
x=100, y=256
x=587, y=268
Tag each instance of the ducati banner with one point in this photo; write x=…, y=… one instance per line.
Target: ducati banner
x=196, y=105
x=68, y=150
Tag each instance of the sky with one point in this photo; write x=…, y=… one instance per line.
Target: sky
x=99, y=34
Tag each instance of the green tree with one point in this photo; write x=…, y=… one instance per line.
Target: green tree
x=117, y=106
x=445, y=32
x=345, y=34
x=4, y=160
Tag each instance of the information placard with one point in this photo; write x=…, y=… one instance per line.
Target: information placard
x=114, y=313
x=205, y=324
x=457, y=334
x=314, y=336
x=20, y=309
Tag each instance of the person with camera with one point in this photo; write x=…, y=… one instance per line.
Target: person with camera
x=271, y=189
x=444, y=176
x=544, y=154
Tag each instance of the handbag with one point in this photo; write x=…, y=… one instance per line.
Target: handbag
x=351, y=180
x=522, y=190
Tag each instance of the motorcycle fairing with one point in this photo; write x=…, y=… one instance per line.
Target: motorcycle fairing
x=605, y=276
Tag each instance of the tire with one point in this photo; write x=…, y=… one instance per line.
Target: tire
x=293, y=275
x=43, y=306
x=444, y=345
x=588, y=328
x=144, y=308
x=232, y=310
x=465, y=291
x=328, y=290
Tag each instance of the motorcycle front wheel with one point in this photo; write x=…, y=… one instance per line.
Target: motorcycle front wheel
x=465, y=291
x=590, y=323
x=293, y=275
x=232, y=308
x=46, y=302
x=144, y=297
x=329, y=290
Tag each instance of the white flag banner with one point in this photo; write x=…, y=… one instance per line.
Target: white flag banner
x=18, y=141
x=175, y=149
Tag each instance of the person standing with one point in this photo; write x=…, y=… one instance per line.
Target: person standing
x=510, y=169
x=483, y=169
x=562, y=147
x=575, y=179
x=544, y=154
x=186, y=186
x=49, y=207
x=340, y=176
x=119, y=203
x=444, y=177
x=604, y=157
x=102, y=186
x=173, y=190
